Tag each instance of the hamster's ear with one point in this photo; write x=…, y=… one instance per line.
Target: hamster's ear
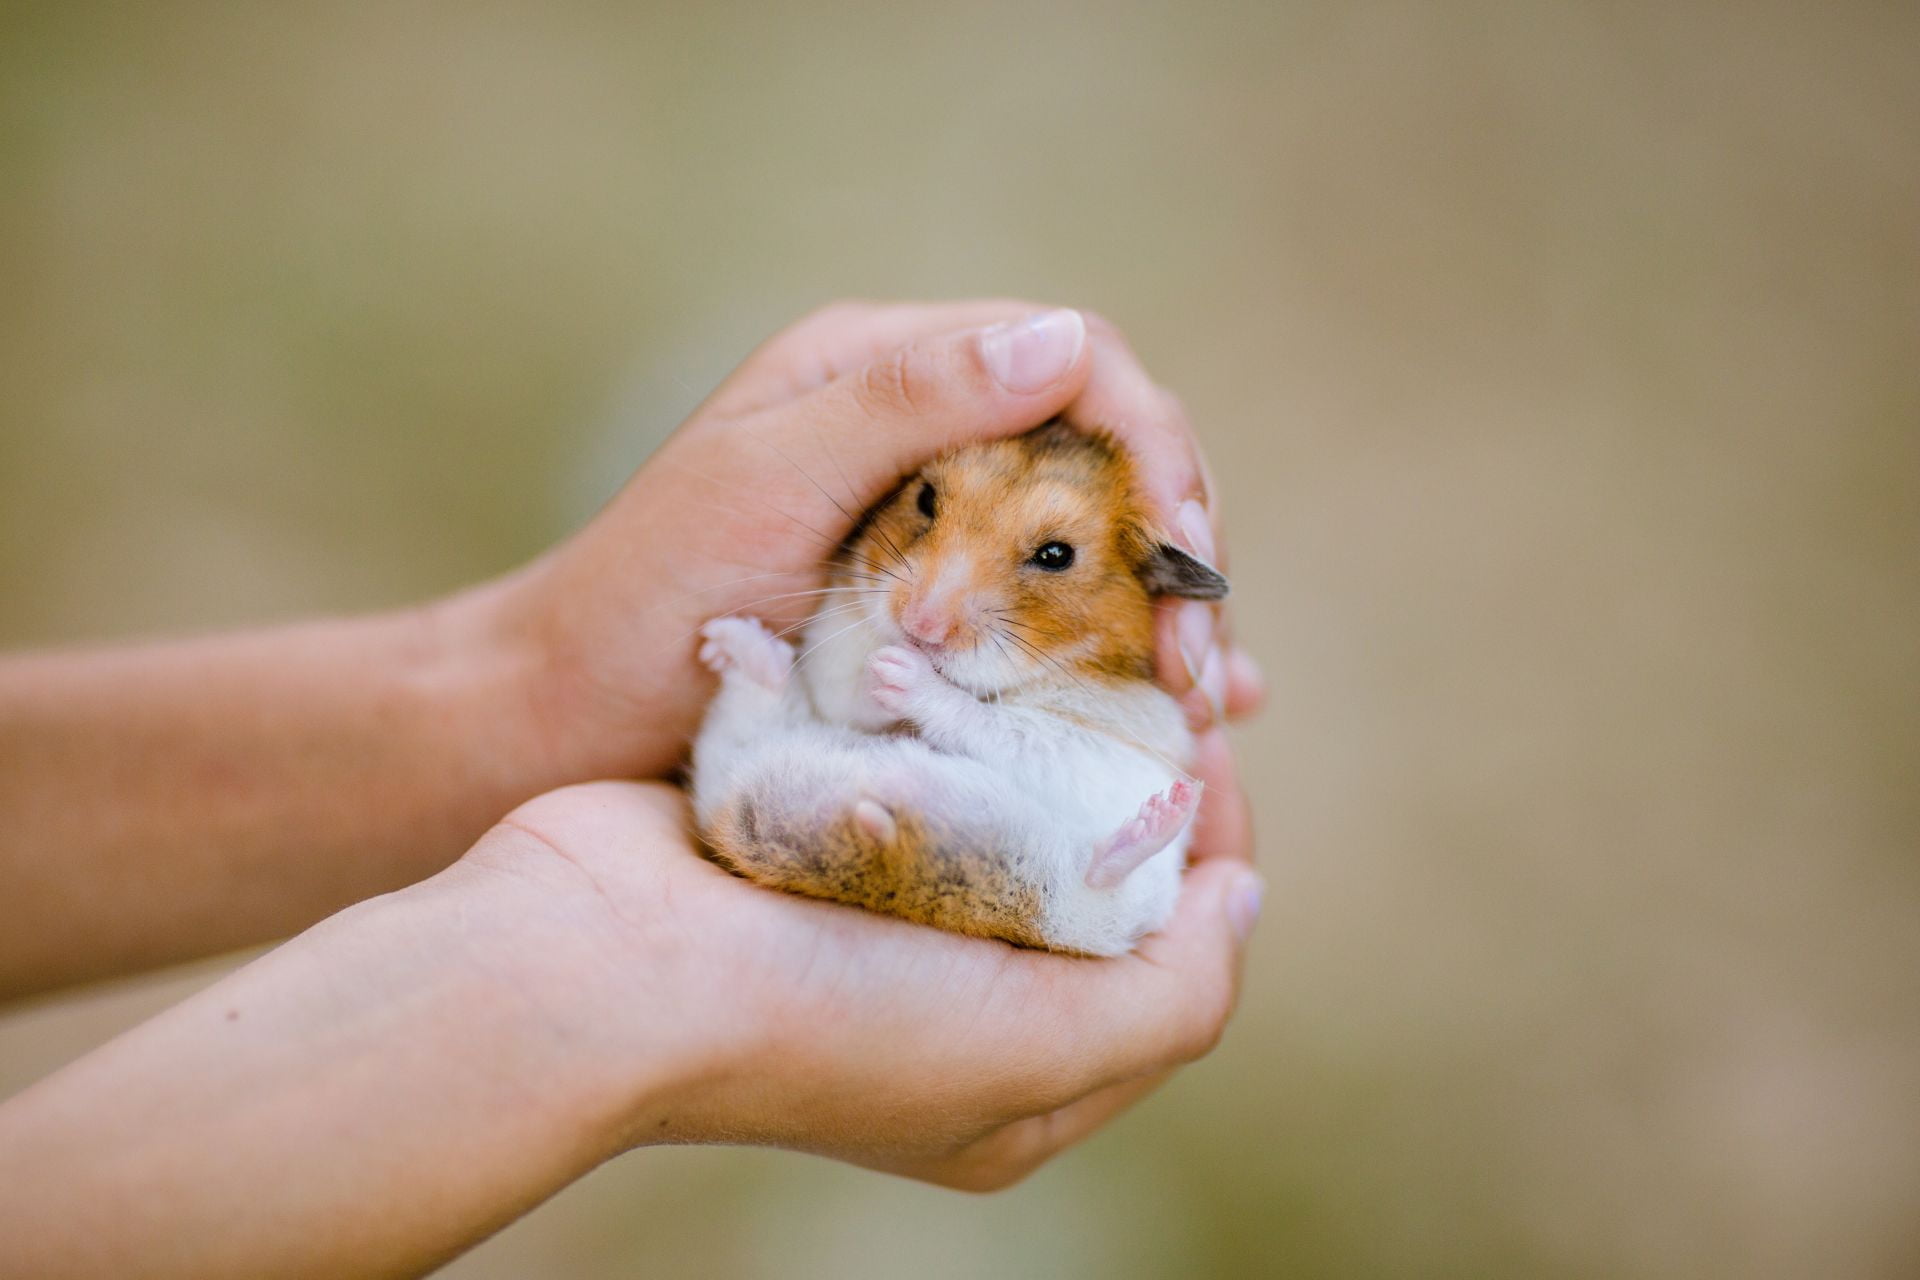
x=1169, y=571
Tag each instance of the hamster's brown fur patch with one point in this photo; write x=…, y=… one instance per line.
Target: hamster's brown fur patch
x=930, y=877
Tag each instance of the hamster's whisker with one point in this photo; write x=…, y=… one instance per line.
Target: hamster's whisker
x=1116, y=730
x=832, y=546
x=748, y=605
x=722, y=586
x=689, y=634
x=1028, y=647
x=1000, y=643
x=857, y=622
x=853, y=521
x=854, y=557
x=817, y=591
x=867, y=562
x=853, y=497
x=886, y=540
x=888, y=545
x=873, y=525
x=836, y=611
x=1006, y=616
x=871, y=563
x=838, y=469
x=1052, y=661
x=847, y=571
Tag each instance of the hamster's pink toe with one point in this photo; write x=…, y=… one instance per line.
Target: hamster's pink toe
x=1162, y=817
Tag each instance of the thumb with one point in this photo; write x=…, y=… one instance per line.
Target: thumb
x=1199, y=959
x=879, y=422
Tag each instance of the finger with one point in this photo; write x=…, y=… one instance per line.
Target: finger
x=1119, y=397
x=1184, y=632
x=1246, y=685
x=1122, y=400
x=1025, y=1145
x=1199, y=958
x=1189, y=662
x=1214, y=679
x=1164, y=1005
x=869, y=427
x=1011, y=1152
x=844, y=336
x=1224, y=826
x=1027, y=1033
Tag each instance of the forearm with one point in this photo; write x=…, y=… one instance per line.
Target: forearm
x=366, y=1100
x=175, y=800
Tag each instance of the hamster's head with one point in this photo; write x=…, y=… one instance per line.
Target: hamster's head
x=1022, y=561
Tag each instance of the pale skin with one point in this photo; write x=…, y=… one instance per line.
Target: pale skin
x=481, y=1028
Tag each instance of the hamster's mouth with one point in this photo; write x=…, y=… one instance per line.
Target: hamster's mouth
x=939, y=657
x=972, y=670
x=967, y=670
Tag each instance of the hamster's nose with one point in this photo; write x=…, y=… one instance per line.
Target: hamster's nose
x=928, y=626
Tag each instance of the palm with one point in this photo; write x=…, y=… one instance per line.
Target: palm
x=1035, y=1050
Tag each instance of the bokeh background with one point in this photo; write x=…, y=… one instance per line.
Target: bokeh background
x=1561, y=368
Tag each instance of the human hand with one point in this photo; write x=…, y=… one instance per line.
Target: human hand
x=445, y=1056
x=740, y=508
x=723, y=1012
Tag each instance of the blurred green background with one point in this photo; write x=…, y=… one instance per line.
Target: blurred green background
x=1561, y=369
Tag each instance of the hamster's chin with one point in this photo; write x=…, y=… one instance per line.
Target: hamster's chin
x=981, y=669
x=982, y=672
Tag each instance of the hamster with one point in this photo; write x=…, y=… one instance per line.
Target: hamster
x=972, y=738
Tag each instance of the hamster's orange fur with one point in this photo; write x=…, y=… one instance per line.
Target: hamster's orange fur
x=996, y=502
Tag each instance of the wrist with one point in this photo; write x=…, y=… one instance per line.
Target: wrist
x=491, y=679
x=430, y=1054
x=511, y=968
x=591, y=943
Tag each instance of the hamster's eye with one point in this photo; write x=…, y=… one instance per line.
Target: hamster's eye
x=925, y=501
x=1053, y=557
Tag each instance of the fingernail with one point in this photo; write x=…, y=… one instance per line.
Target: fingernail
x=1213, y=683
x=1196, y=531
x=1030, y=355
x=1243, y=904
x=1193, y=632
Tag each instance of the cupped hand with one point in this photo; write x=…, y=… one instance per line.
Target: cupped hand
x=740, y=507
x=725, y=1012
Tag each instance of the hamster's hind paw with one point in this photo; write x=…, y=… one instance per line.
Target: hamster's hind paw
x=876, y=821
x=746, y=646
x=1161, y=818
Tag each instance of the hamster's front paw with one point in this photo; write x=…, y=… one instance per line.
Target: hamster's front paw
x=895, y=674
x=746, y=646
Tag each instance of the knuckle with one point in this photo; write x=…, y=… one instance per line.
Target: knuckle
x=895, y=385
x=1195, y=706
